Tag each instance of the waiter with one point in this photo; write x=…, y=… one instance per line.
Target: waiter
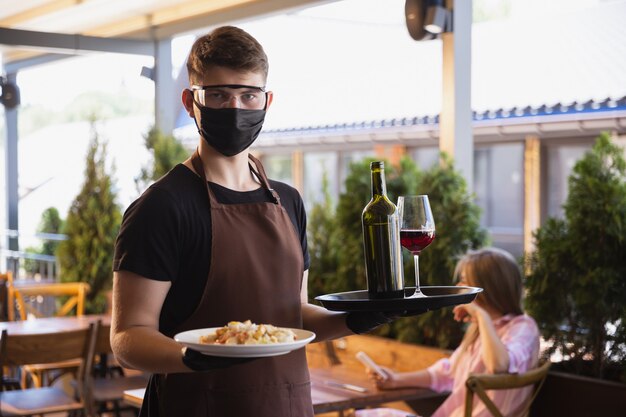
x=215, y=241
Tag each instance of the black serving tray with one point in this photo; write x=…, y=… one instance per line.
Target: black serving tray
x=432, y=298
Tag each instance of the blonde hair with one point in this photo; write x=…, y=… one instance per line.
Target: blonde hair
x=498, y=274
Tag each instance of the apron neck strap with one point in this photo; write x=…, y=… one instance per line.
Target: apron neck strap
x=257, y=170
x=260, y=174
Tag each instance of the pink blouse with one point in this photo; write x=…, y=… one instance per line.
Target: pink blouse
x=520, y=335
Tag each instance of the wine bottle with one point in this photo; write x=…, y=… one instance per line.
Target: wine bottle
x=381, y=240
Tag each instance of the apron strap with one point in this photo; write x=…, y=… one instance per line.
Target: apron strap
x=263, y=177
x=196, y=161
x=257, y=170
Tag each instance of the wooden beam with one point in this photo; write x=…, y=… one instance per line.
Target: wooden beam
x=38, y=11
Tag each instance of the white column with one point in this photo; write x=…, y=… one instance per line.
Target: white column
x=455, y=120
x=11, y=168
x=165, y=96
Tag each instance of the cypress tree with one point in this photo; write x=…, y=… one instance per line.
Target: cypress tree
x=91, y=227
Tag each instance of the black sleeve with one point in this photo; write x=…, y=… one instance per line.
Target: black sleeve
x=148, y=241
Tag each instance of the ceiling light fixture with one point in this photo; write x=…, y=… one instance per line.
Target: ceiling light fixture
x=426, y=19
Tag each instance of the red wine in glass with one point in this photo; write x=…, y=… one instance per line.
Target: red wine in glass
x=417, y=229
x=416, y=240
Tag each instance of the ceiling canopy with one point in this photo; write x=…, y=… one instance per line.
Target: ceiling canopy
x=147, y=20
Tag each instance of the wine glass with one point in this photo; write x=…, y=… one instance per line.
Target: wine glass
x=417, y=228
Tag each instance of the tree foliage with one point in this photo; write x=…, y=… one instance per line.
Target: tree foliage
x=577, y=274
x=457, y=220
x=51, y=222
x=350, y=274
x=337, y=244
x=324, y=262
x=166, y=150
x=91, y=227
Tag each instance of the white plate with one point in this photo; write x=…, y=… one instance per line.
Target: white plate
x=190, y=338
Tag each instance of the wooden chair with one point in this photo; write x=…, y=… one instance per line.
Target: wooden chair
x=479, y=383
x=109, y=380
x=45, y=374
x=74, y=291
x=5, y=277
x=19, y=350
x=8, y=382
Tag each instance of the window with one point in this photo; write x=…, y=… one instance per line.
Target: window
x=425, y=157
x=348, y=158
x=278, y=168
x=499, y=188
x=560, y=159
x=316, y=165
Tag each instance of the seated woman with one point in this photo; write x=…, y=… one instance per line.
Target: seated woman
x=499, y=339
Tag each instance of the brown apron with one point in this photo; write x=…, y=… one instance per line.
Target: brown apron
x=256, y=274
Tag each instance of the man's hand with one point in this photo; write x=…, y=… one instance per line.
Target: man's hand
x=366, y=321
x=197, y=361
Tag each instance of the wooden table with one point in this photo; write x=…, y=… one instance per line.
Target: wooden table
x=53, y=324
x=360, y=392
x=328, y=395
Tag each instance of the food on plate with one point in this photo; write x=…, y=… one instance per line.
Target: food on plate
x=248, y=333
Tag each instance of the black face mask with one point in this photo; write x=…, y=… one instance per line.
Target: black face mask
x=230, y=130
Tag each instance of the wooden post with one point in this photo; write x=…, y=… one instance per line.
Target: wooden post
x=532, y=190
x=297, y=170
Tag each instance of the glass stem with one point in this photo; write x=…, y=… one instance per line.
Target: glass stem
x=417, y=275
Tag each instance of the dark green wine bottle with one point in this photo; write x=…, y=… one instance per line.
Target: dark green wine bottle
x=381, y=240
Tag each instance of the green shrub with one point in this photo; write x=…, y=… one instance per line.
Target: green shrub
x=577, y=274
x=337, y=245
x=458, y=230
x=166, y=150
x=324, y=260
x=50, y=222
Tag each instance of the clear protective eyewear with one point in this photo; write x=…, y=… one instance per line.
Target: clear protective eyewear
x=220, y=96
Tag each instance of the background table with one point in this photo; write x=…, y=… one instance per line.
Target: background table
x=328, y=396
x=53, y=324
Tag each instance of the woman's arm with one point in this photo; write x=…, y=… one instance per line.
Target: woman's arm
x=494, y=353
x=394, y=379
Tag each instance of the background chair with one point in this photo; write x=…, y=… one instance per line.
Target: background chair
x=109, y=380
x=74, y=291
x=71, y=299
x=479, y=383
x=19, y=350
x=8, y=382
x=5, y=277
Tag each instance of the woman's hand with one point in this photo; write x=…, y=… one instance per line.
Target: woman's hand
x=420, y=378
x=467, y=312
x=390, y=382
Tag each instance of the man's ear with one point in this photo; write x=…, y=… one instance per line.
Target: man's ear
x=187, y=99
x=270, y=98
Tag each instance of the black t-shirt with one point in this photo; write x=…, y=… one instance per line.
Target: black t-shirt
x=166, y=235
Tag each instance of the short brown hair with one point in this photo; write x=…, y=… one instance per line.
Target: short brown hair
x=229, y=47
